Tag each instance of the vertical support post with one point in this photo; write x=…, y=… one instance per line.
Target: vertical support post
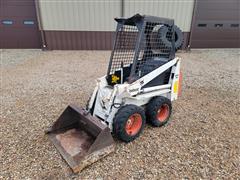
x=122, y=8
x=172, y=53
x=138, y=47
x=119, y=26
x=194, y=13
x=39, y=19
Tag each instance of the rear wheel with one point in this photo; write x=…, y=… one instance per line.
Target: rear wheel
x=129, y=122
x=158, y=111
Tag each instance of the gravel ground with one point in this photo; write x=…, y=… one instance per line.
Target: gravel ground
x=202, y=140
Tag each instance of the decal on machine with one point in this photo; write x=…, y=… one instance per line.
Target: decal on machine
x=115, y=78
x=133, y=90
x=141, y=82
x=175, y=87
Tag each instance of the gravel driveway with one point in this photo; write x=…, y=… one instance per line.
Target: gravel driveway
x=202, y=140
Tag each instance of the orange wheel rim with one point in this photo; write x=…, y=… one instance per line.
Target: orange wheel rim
x=133, y=124
x=163, y=113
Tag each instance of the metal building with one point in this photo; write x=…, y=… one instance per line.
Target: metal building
x=88, y=24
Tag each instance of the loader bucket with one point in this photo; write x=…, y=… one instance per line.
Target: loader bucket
x=80, y=138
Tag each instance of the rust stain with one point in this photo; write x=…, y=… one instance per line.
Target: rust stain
x=75, y=141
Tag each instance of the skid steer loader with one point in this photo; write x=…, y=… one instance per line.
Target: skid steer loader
x=143, y=78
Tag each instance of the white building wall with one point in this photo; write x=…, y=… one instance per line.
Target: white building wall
x=79, y=15
x=180, y=10
x=97, y=15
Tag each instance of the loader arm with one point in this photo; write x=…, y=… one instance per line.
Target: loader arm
x=92, y=98
x=136, y=87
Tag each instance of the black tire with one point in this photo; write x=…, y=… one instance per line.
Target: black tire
x=158, y=111
x=178, y=38
x=164, y=41
x=163, y=31
x=122, y=118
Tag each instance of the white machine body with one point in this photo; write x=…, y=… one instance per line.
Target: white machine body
x=106, y=100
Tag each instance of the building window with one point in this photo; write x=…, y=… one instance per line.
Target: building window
x=218, y=25
x=234, y=25
x=7, y=22
x=28, y=22
x=202, y=25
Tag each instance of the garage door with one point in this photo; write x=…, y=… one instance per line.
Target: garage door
x=216, y=24
x=18, y=24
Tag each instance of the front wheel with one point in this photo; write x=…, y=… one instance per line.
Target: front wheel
x=129, y=122
x=158, y=111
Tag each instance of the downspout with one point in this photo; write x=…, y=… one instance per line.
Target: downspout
x=122, y=8
x=192, y=24
x=39, y=19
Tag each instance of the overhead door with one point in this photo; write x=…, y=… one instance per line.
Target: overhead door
x=18, y=24
x=216, y=24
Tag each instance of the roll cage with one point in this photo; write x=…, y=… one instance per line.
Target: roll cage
x=138, y=48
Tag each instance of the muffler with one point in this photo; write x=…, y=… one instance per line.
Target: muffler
x=80, y=138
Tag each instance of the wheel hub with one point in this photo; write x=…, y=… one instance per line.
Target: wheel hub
x=133, y=124
x=163, y=112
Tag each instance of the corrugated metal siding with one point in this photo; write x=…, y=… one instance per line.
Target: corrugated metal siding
x=79, y=15
x=92, y=15
x=180, y=10
x=83, y=24
x=74, y=40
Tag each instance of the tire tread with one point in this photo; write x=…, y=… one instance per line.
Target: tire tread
x=152, y=108
x=120, y=119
